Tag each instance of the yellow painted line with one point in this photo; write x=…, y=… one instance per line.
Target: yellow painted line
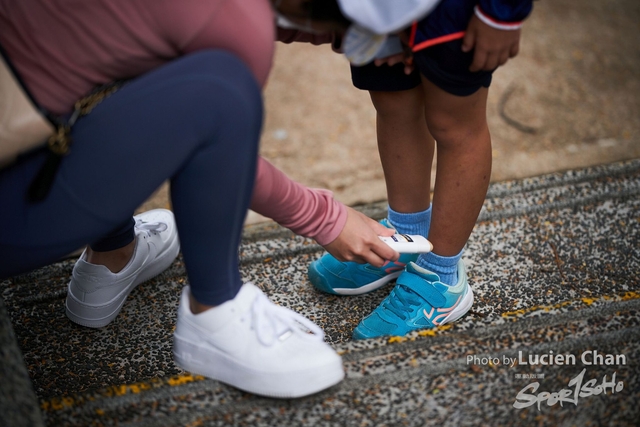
x=627, y=296
x=523, y=311
x=67, y=402
x=423, y=333
x=631, y=295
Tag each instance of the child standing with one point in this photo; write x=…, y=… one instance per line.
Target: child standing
x=454, y=50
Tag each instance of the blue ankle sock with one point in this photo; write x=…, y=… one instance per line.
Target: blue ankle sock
x=445, y=267
x=410, y=223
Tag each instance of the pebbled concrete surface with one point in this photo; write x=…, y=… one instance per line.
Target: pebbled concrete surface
x=17, y=399
x=553, y=263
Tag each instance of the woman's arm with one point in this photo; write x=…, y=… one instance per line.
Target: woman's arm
x=345, y=233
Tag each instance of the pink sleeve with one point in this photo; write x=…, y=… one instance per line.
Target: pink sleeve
x=244, y=28
x=305, y=211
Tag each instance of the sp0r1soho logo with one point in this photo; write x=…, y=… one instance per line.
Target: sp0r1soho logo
x=577, y=387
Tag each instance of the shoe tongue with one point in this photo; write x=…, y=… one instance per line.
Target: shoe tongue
x=217, y=317
x=246, y=296
x=427, y=275
x=248, y=289
x=386, y=223
x=414, y=268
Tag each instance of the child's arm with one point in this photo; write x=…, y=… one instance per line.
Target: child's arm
x=494, y=32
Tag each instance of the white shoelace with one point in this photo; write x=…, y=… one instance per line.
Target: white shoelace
x=272, y=322
x=151, y=227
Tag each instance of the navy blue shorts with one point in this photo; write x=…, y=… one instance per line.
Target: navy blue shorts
x=444, y=65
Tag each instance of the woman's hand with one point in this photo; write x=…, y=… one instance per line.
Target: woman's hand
x=493, y=47
x=358, y=241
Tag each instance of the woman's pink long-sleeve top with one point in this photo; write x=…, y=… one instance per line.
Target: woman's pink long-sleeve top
x=62, y=49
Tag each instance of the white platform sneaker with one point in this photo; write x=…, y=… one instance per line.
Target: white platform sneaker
x=96, y=295
x=256, y=346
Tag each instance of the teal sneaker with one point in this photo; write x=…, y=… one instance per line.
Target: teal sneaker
x=329, y=275
x=418, y=301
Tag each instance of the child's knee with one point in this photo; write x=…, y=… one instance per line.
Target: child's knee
x=450, y=130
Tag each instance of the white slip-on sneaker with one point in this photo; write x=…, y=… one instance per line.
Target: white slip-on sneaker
x=96, y=295
x=256, y=346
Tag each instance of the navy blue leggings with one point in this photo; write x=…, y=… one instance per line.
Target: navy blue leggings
x=195, y=121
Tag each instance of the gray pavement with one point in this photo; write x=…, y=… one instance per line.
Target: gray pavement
x=554, y=265
x=18, y=402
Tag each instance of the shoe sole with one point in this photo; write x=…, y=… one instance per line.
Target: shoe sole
x=94, y=316
x=461, y=309
x=219, y=366
x=321, y=283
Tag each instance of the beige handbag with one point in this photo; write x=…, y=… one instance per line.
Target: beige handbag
x=22, y=125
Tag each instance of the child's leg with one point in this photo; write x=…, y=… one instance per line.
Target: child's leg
x=406, y=148
x=464, y=167
x=460, y=128
x=455, y=114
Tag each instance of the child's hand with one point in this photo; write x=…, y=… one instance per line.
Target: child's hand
x=396, y=59
x=359, y=241
x=493, y=47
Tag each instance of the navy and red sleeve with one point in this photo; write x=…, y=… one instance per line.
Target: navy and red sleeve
x=503, y=14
